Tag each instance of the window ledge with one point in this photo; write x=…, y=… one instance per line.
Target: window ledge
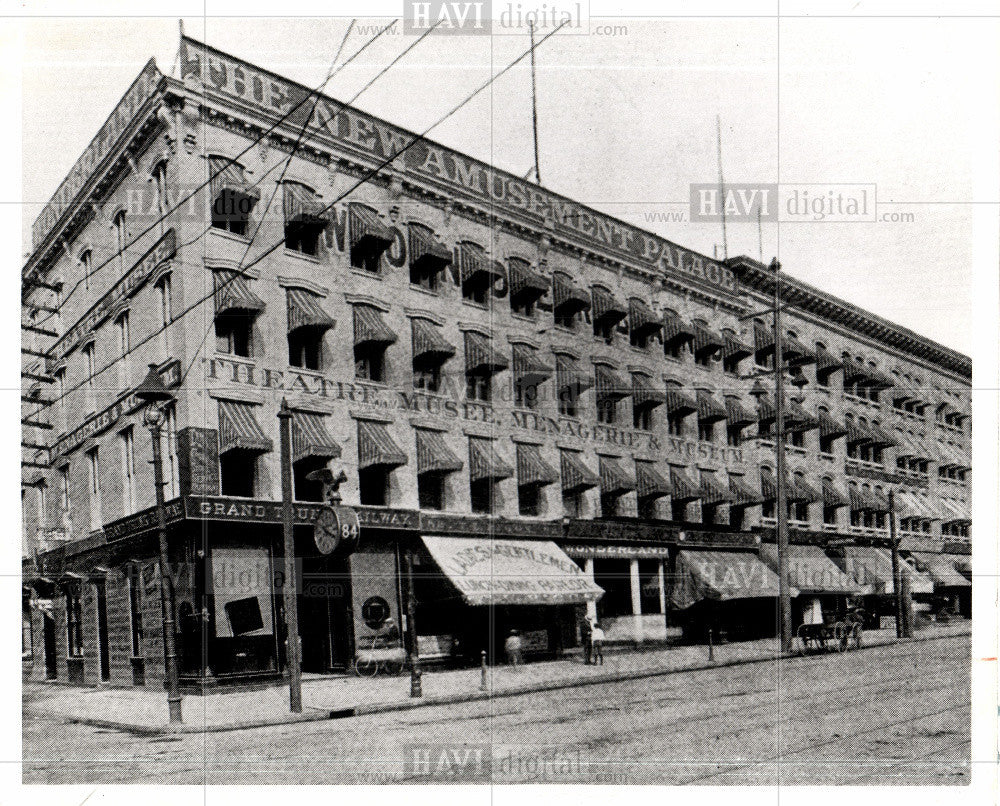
x=301, y=255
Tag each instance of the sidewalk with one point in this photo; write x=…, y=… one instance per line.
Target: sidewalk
x=145, y=711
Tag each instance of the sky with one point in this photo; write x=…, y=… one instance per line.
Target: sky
x=627, y=122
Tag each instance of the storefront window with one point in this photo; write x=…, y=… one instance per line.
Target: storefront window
x=614, y=577
x=243, y=610
x=649, y=585
x=74, y=621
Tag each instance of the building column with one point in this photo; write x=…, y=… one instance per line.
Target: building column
x=633, y=569
x=661, y=579
x=588, y=569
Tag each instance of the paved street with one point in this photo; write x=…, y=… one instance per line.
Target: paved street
x=897, y=714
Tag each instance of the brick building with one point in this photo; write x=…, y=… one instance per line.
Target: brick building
x=515, y=385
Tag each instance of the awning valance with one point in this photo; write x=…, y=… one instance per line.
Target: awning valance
x=566, y=297
x=714, y=491
x=528, y=367
x=710, y=410
x=576, y=476
x=302, y=206
x=305, y=311
x=605, y=307
x=873, y=566
x=734, y=347
x=644, y=394
x=492, y=571
x=369, y=328
x=532, y=468
x=682, y=488
x=484, y=463
x=233, y=294
x=678, y=403
x=649, y=482
x=675, y=329
x=610, y=385
x=811, y=571
x=826, y=362
x=480, y=357
x=614, y=479
x=475, y=265
x=366, y=230
x=525, y=283
x=706, y=340
x=720, y=576
x=829, y=428
x=941, y=569
x=376, y=447
x=310, y=437
x=433, y=455
x=428, y=343
x=743, y=493
x=641, y=320
x=239, y=429
x=738, y=416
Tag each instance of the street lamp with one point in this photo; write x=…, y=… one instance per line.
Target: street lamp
x=155, y=395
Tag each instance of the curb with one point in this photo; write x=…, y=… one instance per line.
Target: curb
x=313, y=714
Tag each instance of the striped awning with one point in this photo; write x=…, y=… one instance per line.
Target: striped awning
x=532, y=468
x=231, y=195
x=714, y=491
x=794, y=350
x=302, y=206
x=908, y=446
x=480, y=357
x=951, y=456
x=610, y=385
x=829, y=428
x=768, y=486
x=801, y=490
x=304, y=311
x=905, y=506
x=826, y=362
x=641, y=320
x=678, y=403
x=880, y=437
x=239, y=429
x=366, y=230
x=614, y=479
x=310, y=439
x=798, y=419
x=605, y=307
x=566, y=296
x=376, y=447
x=675, y=329
x=853, y=371
x=369, y=328
x=955, y=511
x=734, y=347
x=832, y=497
x=861, y=500
x=738, y=416
x=905, y=391
x=576, y=476
x=644, y=394
x=233, y=294
x=428, y=343
x=941, y=568
x=528, y=367
x=484, y=463
x=763, y=337
x=433, y=455
x=649, y=482
x=880, y=379
x=743, y=493
x=710, y=410
x=475, y=265
x=857, y=434
x=918, y=505
x=426, y=251
x=525, y=283
x=570, y=376
x=682, y=488
x=706, y=340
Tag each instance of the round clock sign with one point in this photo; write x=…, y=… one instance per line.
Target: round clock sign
x=336, y=529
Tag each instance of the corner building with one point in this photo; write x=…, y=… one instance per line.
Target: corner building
x=546, y=410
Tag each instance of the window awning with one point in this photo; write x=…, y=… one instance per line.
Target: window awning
x=920, y=504
x=738, y=416
x=861, y=500
x=881, y=438
x=475, y=265
x=566, y=296
x=952, y=457
x=857, y=434
x=233, y=294
x=906, y=391
x=228, y=181
x=569, y=375
x=908, y=447
x=880, y=379
x=649, y=482
x=302, y=206
x=941, y=569
x=644, y=394
x=832, y=497
x=484, y=463
x=491, y=571
x=682, y=488
x=641, y=320
x=426, y=251
x=532, y=468
x=526, y=283
x=714, y=491
x=802, y=491
x=528, y=367
x=826, y=362
x=678, y=403
x=369, y=328
x=310, y=437
x=376, y=448
x=798, y=419
x=768, y=487
x=605, y=306
x=905, y=505
x=853, y=371
x=873, y=566
x=710, y=410
x=829, y=428
x=614, y=479
x=428, y=343
x=794, y=350
x=239, y=429
x=720, y=576
x=366, y=230
x=480, y=357
x=706, y=340
x=811, y=571
x=676, y=329
x=305, y=312
x=576, y=476
x=433, y=455
x=610, y=385
x=955, y=511
x=734, y=347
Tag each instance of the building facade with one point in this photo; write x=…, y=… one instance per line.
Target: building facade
x=545, y=411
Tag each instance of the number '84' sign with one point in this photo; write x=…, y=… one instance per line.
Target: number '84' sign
x=337, y=530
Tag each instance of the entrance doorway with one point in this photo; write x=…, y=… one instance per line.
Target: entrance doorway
x=103, y=648
x=49, y=644
x=326, y=625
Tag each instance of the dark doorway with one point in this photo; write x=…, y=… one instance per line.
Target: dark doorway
x=325, y=619
x=104, y=651
x=49, y=643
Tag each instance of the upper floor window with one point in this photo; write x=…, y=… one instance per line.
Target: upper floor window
x=233, y=200
x=305, y=218
x=121, y=231
x=643, y=324
x=427, y=255
x=372, y=337
x=87, y=266
x=236, y=309
x=526, y=287
x=159, y=176
x=568, y=301
x=430, y=352
x=529, y=372
x=307, y=324
x=368, y=238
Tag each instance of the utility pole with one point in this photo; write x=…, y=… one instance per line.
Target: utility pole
x=901, y=591
x=289, y=583
x=784, y=598
x=534, y=102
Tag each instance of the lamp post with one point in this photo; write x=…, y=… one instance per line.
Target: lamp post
x=155, y=395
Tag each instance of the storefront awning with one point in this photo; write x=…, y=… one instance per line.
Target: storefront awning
x=480, y=357
x=428, y=343
x=310, y=437
x=376, y=448
x=873, y=566
x=614, y=479
x=710, y=410
x=511, y=572
x=532, y=468
x=434, y=455
x=605, y=307
x=941, y=569
x=641, y=320
x=239, y=429
x=305, y=311
x=649, y=482
x=644, y=394
x=366, y=229
x=576, y=476
x=484, y=463
x=682, y=488
x=610, y=385
x=811, y=571
x=566, y=296
x=426, y=251
x=369, y=328
x=233, y=294
x=720, y=576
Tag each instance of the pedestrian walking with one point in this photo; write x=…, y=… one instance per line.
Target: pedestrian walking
x=597, y=643
x=512, y=646
x=586, y=632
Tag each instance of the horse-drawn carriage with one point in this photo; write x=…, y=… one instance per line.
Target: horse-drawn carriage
x=838, y=634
